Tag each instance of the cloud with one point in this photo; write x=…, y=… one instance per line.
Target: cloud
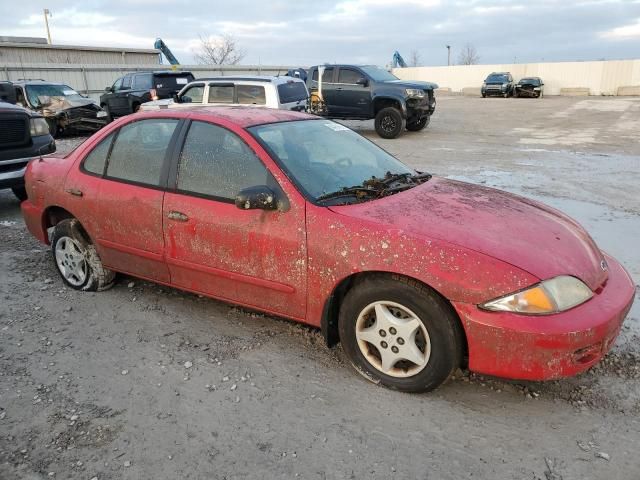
x=624, y=32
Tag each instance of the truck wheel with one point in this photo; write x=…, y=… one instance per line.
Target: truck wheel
x=417, y=125
x=389, y=122
x=108, y=112
x=20, y=193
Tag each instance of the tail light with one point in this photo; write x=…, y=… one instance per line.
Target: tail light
x=154, y=94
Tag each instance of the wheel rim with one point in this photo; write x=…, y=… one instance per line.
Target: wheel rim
x=388, y=123
x=70, y=261
x=393, y=339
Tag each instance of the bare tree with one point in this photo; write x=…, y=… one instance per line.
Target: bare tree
x=414, y=59
x=468, y=55
x=222, y=50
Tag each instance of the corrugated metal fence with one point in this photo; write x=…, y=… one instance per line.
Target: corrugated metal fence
x=91, y=80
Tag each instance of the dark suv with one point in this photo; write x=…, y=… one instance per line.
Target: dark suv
x=127, y=93
x=365, y=92
x=24, y=134
x=498, y=84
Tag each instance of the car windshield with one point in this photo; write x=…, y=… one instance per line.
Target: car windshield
x=50, y=90
x=325, y=158
x=379, y=74
x=497, y=78
x=530, y=81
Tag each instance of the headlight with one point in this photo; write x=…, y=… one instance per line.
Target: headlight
x=414, y=92
x=39, y=126
x=551, y=296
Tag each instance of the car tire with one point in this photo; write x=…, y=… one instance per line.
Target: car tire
x=417, y=125
x=20, y=193
x=77, y=260
x=105, y=107
x=389, y=122
x=135, y=108
x=484, y=95
x=407, y=309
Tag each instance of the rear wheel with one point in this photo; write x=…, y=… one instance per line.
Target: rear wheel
x=389, y=122
x=400, y=334
x=77, y=260
x=419, y=124
x=20, y=193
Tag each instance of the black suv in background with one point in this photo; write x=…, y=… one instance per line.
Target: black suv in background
x=498, y=84
x=365, y=92
x=127, y=93
x=24, y=134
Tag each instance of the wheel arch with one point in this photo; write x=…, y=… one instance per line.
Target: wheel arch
x=53, y=215
x=331, y=309
x=383, y=102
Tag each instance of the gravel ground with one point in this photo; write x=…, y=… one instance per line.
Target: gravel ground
x=144, y=381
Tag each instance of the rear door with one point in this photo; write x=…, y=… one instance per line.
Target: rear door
x=354, y=99
x=251, y=257
x=120, y=104
x=129, y=210
x=329, y=93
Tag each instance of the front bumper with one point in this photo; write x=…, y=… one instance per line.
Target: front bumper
x=12, y=169
x=547, y=347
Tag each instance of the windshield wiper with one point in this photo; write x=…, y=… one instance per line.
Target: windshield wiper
x=358, y=192
x=393, y=182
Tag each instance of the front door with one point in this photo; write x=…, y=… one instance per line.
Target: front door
x=353, y=98
x=255, y=258
x=129, y=233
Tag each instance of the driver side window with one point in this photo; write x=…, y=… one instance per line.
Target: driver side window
x=193, y=94
x=117, y=85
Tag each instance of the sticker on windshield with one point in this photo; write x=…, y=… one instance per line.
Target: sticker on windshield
x=181, y=81
x=336, y=127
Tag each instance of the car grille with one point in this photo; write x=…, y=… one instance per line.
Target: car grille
x=82, y=112
x=14, y=131
x=494, y=87
x=12, y=167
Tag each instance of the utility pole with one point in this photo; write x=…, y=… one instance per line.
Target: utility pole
x=47, y=13
x=448, y=55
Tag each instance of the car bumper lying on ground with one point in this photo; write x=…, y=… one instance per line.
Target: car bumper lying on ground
x=547, y=347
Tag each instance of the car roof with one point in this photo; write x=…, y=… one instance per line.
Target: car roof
x=242, y=116
x=249, y=78
x=36, y=81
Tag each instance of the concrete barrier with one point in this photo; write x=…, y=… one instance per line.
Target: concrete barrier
x=442, y=91
x=575, y=92
x=629, y=91
x=471, y=91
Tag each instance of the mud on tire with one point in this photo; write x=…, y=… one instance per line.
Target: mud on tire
x=445, y=337
x=71, y=234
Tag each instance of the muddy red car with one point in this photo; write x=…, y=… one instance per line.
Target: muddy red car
x=303, y=218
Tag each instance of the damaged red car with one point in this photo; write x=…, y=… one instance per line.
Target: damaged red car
x=303, y=218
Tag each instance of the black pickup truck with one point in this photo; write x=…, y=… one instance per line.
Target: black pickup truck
x=364, y=92
x=24, y=134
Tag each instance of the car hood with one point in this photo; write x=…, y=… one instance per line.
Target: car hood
x=524, y=233
x=59, y=103
x=414, y=84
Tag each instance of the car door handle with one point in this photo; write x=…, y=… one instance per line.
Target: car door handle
x=338, y=88
x=178, y=216
x=74, y=191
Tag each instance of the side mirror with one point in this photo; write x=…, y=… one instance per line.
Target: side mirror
x=363, y=81
x=260, y=197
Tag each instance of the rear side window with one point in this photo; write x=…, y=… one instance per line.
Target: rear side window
x=142, y=82
x=139, y=150
x=216, y=162
x=292, y=92
x=220, y=93
x=347, y=75
x=251, y=95
x=97, y=158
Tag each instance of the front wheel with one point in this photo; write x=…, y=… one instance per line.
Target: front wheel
x=389, y=122
x=417, y=125
x=399, y=333
x=77, y=260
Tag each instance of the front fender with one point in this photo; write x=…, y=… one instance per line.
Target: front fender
x=387, y=97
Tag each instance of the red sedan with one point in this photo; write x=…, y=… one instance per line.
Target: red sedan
x=303, y=218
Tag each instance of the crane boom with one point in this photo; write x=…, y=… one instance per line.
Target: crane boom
x=398, y=61
x=160, y=45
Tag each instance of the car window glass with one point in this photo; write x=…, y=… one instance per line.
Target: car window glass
x=220, y=93
x=193, y=94
x=346, y=75
x=216, y=162
x=20, y=98
x=139, y=150
x=117, y=84
x=126, y=83
x=327, y=76
x=251, y=95
x=142, y=82
x=95, y=161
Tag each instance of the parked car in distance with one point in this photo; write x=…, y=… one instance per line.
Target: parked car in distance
x=303, y=218
x=364, y=92
x=24, y=134
x=285, y=93
x=498, y=84
x=132, y=90
x=65, y=110
x=529, y=87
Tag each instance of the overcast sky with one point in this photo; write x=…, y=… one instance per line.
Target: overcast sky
x=300, y=32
